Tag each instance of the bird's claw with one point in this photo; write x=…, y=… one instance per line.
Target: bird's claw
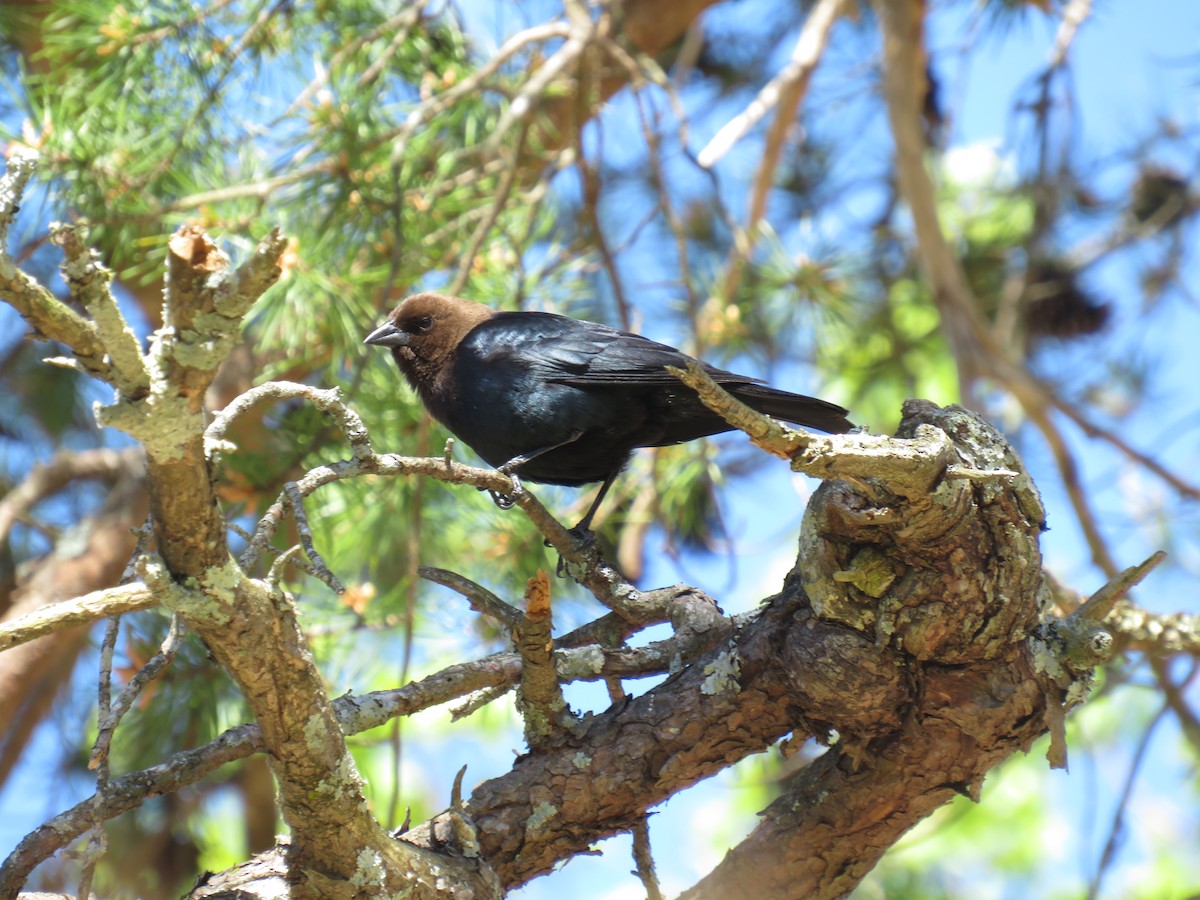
x=507, y=500
x=584, y=539
x=503, y=501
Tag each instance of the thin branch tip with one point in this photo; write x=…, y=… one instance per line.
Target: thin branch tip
x=1101, y=603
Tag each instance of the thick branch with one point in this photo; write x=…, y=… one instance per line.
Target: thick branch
x=845, y=810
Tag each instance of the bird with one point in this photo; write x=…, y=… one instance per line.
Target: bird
x=557, y=400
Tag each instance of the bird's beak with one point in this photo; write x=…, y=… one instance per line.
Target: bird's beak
x=387, y=335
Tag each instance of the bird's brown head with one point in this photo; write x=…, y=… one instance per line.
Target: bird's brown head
x=423, y=332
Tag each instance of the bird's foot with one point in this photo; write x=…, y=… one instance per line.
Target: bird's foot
x=507, y=500
x=584, y=537
x=504, y=501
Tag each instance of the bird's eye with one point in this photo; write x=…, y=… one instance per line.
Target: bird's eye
x=423, y=324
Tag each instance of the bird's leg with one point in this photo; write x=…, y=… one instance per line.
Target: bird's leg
x=506, y=501
x=582, y=532
x=585, y=524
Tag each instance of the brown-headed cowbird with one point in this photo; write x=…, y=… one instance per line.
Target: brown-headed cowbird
x=559, y=400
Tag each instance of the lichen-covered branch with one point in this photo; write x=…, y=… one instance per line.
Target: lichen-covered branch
x=328, y=400
x=49, y=317
x=698, y=627
x=72, y=613
x=249, y=626
x=89, y=280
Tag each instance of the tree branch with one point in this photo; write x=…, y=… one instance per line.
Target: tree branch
x=88, y=281
x=696, y=631
x=540, y=700
x=72, y=613
x=48, y=316
x=784, y=91
x=482, y=600
x=249, y=627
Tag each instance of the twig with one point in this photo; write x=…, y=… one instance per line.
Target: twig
x=253, y=277
x=766, y=433
x=590, y=185
x=785, y=90
x=469, y=85
x=1118, y=823
x=507, y=180
x=321, y=570
x=1069, y=472
x=89, y=281
x=78, y=611
x=1074, y=15
x=44, y=312
x=789, y=89
x=540, y=698
x=402, y=22
x=528, y=200
x=107, y=723
x=466, y=836
x=1091, y=429
x=1097, y=607
x=477, y=701
x=97, y=838
x=583, y=561
x=327, y=400
x=144, y=533
x=413, y=540
x=535, y=88
x=290, y=556
x=643, y=858
x=1176, y=696
x=654, y=152
x=482, y=600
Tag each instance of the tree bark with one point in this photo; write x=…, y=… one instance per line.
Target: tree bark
x=901, y=639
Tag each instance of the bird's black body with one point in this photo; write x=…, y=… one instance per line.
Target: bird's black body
x=538, y=380
x=561, y=400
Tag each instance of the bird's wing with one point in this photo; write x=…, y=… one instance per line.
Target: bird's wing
x=582, y=354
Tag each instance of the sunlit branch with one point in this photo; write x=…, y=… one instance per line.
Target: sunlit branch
x=72, y=613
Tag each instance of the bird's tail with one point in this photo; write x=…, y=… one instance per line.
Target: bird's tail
x=795, y=408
